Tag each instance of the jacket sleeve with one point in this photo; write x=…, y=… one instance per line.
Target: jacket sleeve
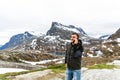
x=66, y=53
x=81, y=46
x=78, y=49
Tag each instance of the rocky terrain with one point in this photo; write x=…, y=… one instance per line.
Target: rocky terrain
x=13, y=56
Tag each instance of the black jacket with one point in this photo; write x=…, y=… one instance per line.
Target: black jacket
x=73, y=55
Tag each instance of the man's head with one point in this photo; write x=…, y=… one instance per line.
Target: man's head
x=74, y=36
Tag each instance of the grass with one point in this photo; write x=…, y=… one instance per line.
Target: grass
x=102, y=66
x=56, y=69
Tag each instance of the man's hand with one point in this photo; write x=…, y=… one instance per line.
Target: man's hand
x=76, y=41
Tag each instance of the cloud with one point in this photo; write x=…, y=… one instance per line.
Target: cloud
x=94, y=16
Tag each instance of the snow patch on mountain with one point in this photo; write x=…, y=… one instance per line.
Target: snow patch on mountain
x=35, y=33
x=68, y=29
x=104, y=46
x=118, y=44
x=33, y=43
x=118, y=39
x=51, y=38
x=109, y=49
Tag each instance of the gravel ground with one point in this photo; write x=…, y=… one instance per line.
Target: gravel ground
x=101, y=74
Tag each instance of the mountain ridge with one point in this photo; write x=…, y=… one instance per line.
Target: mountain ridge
x=17, y=39
x=54, y=40
x=63, y=30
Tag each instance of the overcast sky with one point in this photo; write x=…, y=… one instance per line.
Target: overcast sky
x=95, y=17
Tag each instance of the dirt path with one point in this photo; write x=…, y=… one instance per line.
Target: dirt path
x=33, y=75
x=40, y=75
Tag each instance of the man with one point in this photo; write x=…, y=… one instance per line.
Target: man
x=73, y=58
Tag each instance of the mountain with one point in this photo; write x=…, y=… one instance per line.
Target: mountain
x=58, y=29
x=115, y=35
x=57, y=37
x=104, y=37
x=54, y=40
x=17, y=40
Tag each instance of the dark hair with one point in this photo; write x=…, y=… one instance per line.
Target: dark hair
x=75, y=34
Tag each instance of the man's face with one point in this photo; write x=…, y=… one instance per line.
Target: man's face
x=73, y=38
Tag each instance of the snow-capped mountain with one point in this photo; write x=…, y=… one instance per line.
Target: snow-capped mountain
x=54, y=40
x=17, y=40
x=58, y=29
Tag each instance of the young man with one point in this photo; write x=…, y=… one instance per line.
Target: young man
x=73, y=58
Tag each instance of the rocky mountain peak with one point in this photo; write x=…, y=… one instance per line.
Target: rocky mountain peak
x=64, y=31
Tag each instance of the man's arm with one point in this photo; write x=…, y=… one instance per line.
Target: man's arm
x=81, y=46
x=66, y=53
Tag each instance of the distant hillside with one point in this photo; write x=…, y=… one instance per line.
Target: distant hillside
x=109, y=47
x=17, y=40
x=54, y=40
x=104, y=37
x=115, y=35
